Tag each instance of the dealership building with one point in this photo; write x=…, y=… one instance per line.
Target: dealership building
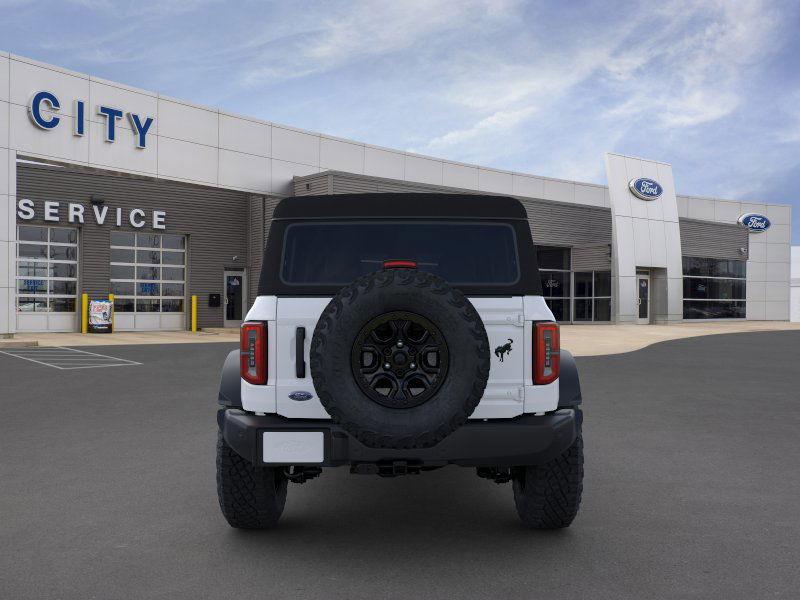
x=107, y=189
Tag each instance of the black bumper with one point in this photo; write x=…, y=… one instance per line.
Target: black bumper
x=524, y=440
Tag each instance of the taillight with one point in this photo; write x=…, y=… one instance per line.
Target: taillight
x=253, y=352
x=546, y=353
x=399, y=264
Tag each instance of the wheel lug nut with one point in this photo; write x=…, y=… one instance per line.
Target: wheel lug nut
x=386, y=366
x=400, y=344
x=413, y=366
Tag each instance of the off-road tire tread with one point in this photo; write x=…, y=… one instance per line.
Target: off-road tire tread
x=420, y=280
x=548, y=496
x=249, y=496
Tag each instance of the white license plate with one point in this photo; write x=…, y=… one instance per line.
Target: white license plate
x=293, y=447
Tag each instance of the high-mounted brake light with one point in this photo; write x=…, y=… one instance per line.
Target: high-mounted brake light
x=253, y=352
x=546, y=353
x=399, y=264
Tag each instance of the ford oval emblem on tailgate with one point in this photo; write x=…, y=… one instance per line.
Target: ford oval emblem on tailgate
x=300, y=396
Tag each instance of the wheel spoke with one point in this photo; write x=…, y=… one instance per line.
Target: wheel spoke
x=400, y=359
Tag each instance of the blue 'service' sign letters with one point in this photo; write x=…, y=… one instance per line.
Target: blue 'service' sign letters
x=44, y=107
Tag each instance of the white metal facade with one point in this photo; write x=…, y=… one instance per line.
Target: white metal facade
x=207, y=146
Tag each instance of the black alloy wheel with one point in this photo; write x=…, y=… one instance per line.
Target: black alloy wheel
x=400, y=359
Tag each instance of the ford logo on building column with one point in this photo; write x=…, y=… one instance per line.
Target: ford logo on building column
x=646, y=189
x=754, y=222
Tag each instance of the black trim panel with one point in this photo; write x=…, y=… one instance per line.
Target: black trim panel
x=569, y=384
x=299, y=352
x=404, y=205
x=524, y=440
x=230, y=383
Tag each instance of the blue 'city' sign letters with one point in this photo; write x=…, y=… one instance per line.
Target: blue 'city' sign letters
x=646, y=189
x=45, y=105
x=754, y=222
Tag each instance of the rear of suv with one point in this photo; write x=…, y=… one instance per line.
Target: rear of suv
x=396, y=334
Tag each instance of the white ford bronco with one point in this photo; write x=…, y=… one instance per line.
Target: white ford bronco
x=395, y=334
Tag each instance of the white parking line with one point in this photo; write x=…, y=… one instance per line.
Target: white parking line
x=68, y=359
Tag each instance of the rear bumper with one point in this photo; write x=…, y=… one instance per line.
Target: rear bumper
x=524, y=440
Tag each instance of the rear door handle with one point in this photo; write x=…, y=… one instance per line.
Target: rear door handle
x=299, y=352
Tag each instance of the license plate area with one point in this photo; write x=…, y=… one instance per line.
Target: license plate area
x=293, y=447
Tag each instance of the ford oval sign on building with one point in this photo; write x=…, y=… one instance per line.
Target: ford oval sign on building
x=646, y=189
x=754, y=222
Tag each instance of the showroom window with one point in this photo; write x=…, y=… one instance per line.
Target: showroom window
x=47, y=269
x=714, y=288
x=148, y=272
x=573, y=297
x=554, y=269
x=592, y=299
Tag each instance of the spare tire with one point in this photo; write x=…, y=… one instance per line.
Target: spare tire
x=400, y=359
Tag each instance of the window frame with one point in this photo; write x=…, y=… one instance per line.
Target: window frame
x=731, y=301
x=571, y=299
x=592, y=299
x=47, y=296
x=136, y=281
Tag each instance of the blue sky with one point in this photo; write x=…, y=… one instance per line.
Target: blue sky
x=540, y=87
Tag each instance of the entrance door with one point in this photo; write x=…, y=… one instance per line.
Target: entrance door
x=643, y=300
x=234, y=298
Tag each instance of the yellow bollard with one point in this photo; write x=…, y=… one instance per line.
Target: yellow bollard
x=84, y=313
x=194, y=314
x=113, y=312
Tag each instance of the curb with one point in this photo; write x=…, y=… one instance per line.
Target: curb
x=18, y=344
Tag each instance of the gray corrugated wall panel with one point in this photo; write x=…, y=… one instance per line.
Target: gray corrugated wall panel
x=591, y=258
x=353, y=186
x=214, y=220
x=713, y=240
x=313, y=185
x=561, y=224
x=552, y=223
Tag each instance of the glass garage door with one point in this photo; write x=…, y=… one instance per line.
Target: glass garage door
x=148, y=280
x=46, y=278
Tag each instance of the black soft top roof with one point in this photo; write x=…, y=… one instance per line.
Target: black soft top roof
x=333, y=207
x=403, y=205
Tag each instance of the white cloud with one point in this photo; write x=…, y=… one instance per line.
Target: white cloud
x=357, y=30
x=677, y=66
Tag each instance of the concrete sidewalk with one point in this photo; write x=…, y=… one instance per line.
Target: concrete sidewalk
x=598, y=340
x=122, y=338
x=581, y=340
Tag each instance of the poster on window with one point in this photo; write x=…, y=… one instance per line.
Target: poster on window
x=100, y=316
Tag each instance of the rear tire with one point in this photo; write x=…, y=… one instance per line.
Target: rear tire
x=250, y=497
x=548, y=496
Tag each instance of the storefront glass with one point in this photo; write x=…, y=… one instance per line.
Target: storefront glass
x=714, y=288
x=592, y=296
x=579, y=296
x=554, y=268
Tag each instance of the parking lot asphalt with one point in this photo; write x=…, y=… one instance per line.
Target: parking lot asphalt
x=692, y=490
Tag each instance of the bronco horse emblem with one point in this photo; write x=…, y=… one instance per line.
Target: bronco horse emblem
x=501, y=351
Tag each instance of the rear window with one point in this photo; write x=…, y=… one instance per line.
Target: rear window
x=336, y=253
